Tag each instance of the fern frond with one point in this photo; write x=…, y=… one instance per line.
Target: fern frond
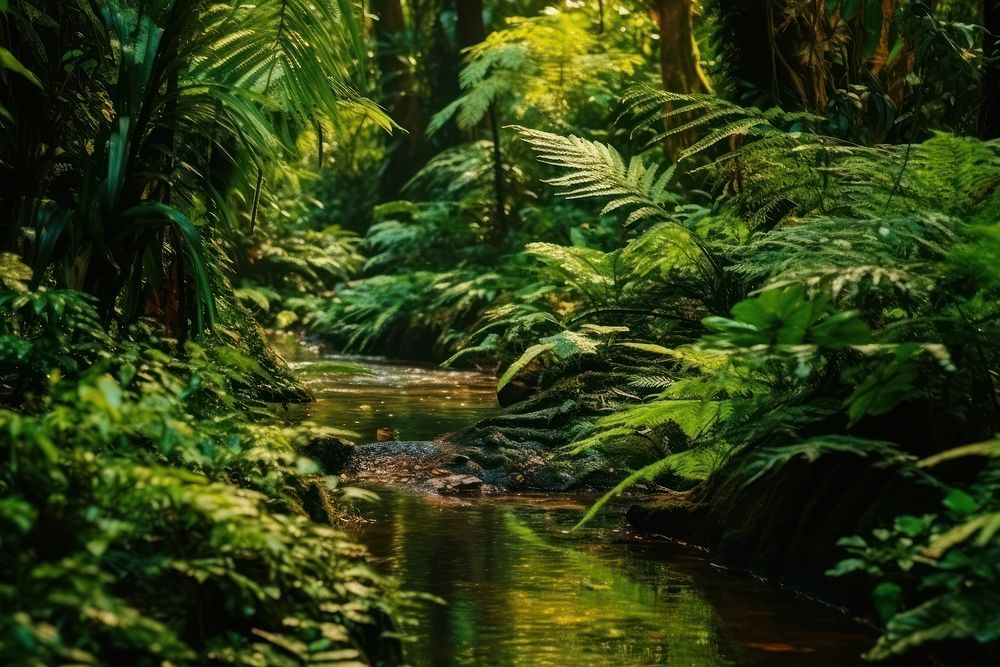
x=650, y=381
x=598, y=170
x=955, y=174
x=646, y=473
x=297, y=52
x=563, y=345
x=692, y=416
x=764, y=460
x=853, y=260
x=650, y=108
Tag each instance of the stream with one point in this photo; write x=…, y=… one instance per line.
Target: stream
x=515, y=586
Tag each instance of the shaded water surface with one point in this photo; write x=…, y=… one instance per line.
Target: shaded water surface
x=519, y=588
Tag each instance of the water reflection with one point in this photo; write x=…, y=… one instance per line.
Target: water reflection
x=364, y=394
x=522, y=590
x=519, y=587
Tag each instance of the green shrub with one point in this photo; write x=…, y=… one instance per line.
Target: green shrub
x=148, y=515
x=937, y=574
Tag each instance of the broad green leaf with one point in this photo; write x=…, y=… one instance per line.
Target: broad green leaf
x=9, y=62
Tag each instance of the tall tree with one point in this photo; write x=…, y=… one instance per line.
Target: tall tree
x=406, y=150
x=680, y=66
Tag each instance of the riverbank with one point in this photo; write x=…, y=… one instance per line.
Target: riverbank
x=519, y=586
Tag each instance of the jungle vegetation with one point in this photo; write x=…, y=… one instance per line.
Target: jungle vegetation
x=753, y=237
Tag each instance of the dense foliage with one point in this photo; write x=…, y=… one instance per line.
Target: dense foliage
x=151, y=509
x=727, y=238
x=862, y=322
x=788, y=284
x=148, y=516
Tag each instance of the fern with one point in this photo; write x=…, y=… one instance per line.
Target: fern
x=598, y=170
x=958, y=175
x=954, y=616
x=692, y=416
x=647, y=473
x=272, y=48
x=764, y=460
x=564, y=346
x=469, y=109
x=531, y=67
x=649, y=107
x=648, y=381
x=847, y=256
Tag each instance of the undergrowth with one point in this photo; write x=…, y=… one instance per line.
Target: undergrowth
x=151, y=512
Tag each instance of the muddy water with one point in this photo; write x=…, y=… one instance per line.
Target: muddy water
x=518, y=587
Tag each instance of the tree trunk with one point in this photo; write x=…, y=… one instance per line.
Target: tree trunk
x=881, y=54
x=406, y=152
x=680, y=68
x=499, y=184
x=989, y=109
x=470, y=29
x=745, y=30
x=443, y=64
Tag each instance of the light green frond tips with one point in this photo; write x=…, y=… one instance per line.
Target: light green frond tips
x=598, y=170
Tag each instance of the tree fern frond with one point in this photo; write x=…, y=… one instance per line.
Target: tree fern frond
x=598, y=170
x=296, y=51
x=649, y=107
x=736, y=128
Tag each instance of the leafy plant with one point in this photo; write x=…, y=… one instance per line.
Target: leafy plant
x=193, y=90
x=147, y=514
x=936, y=572
x=838, y=293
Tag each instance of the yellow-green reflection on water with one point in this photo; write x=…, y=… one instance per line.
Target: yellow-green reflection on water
x=523, y=590
x=418, y=402
x=519, y=587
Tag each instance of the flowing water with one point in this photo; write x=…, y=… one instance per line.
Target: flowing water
x=517, y=587
x=365, y=394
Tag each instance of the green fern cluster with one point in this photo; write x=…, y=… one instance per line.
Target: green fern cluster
x=828, y=288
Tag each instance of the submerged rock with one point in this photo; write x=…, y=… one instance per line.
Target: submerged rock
x=496, y=466
x=456, y=484
x=330, y=452
x=386, y=435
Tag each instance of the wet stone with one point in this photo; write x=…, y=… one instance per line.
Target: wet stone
x=456, y=484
